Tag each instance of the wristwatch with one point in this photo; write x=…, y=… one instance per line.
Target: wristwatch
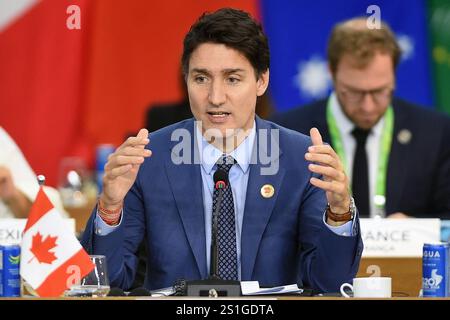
x=345, y=216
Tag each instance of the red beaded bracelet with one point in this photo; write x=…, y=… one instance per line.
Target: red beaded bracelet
x=110, y=217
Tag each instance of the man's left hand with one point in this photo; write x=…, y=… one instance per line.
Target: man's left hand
x=327, y=163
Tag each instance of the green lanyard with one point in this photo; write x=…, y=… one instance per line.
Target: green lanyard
x=385, y=148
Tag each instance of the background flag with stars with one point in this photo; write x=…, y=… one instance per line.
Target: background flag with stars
x=298, y=32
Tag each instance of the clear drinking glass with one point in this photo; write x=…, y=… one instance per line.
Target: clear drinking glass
x=95, y=284
x=72, y=181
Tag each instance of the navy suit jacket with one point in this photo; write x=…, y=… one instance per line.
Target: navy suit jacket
x=418, y=177
x=284, y=239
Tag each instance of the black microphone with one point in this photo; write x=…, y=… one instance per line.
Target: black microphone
x=139, y=292
x=116, y=292
x=220, y=183
x=214, y=286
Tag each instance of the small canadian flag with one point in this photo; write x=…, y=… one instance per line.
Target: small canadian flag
x=52, y=258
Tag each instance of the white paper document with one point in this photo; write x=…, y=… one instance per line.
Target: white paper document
x=252, y=288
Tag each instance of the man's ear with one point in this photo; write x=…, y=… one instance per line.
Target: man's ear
x=262, y=83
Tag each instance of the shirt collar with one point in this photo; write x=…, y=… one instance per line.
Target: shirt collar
x=210, y=154
x=345, y=124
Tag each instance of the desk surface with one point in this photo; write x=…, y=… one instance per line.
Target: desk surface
x=241, y=299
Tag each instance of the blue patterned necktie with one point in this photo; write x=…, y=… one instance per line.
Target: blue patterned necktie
x=227, y=264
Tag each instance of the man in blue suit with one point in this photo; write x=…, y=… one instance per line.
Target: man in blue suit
x=283, y=219
x=403, y=166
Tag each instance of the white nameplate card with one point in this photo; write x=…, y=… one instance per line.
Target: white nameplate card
x=398, y=237
x=11, y=229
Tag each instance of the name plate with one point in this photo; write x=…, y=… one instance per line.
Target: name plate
x=398, y=237
x=11, y=229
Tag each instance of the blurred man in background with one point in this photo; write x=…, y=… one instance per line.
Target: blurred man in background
x=396, y=155
x=18, y=183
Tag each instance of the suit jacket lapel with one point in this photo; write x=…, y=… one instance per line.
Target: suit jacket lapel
x=257, y=208
x=186, y=183
x=397, y=163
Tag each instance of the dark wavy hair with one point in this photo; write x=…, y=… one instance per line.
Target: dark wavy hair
x=234, y=28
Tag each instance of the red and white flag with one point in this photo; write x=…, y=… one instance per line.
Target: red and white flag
x=52, y=258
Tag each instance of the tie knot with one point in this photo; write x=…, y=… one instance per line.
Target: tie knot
x=225, y=163
x=360, y=135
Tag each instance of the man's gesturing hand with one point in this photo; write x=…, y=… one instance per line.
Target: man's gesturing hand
x=327, y=163
x=122, y=168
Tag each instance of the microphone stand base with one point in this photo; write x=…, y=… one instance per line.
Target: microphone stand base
x=213, y=288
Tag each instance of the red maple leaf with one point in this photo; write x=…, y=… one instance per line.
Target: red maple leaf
x=41, y=249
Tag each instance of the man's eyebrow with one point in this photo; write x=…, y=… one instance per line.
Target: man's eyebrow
x=349, y=87
x=232, y=70
x=200, y=70
x=224, y=71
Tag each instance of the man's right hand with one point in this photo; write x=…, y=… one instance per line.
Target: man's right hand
x=122, y=168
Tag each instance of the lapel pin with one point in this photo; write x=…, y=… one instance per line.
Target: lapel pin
x=267, y=191
x=404, y=136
